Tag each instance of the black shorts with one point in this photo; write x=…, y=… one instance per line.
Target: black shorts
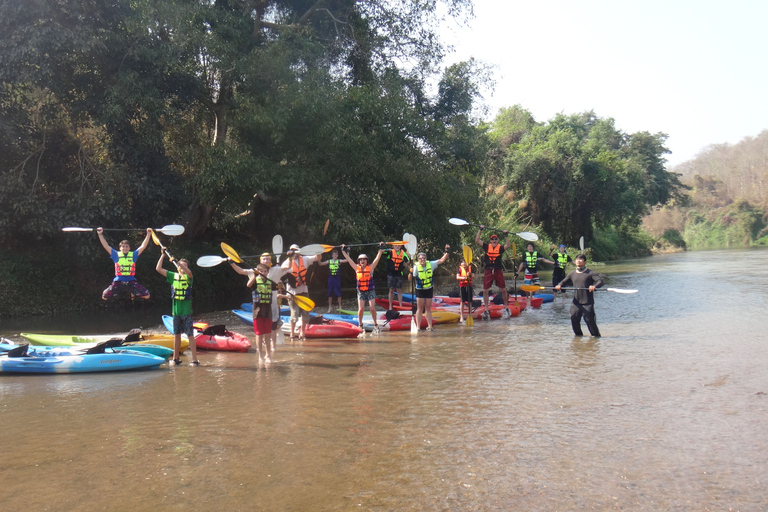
x=425, y=294
x=466, y=293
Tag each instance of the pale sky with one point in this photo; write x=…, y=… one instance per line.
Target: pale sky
x=695, y=70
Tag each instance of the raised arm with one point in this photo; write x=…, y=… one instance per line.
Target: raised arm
x=378, y=256
x=346, y=255
x=145, y=243
x=103, y=241
x=506, y=245
x=445, y=256
x=240, y=270
x=477, y=238
x=159, y=266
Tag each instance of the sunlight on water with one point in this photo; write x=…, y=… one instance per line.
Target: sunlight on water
x=667, y=410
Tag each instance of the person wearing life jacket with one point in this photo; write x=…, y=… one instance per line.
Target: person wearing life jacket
x=494, y=273
x=274, y=273
x=125, y=268
x=397, y=264
x=297, y=266
x=261, y=291
x=561, y=259
x=422, y=273
x=334, y=278
x=181, y=297
x=366, y=291
x=465, y=277
x=530, y=263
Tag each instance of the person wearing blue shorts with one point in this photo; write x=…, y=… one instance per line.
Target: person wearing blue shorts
x=334, y=278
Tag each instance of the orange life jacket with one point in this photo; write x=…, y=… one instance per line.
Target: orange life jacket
x=364, y=278
x=397, y=258
x=465, y=272
x=298, y=271
x=491, y=254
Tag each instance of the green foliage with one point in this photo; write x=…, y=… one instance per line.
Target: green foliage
x=613, y=244
x=736, y=225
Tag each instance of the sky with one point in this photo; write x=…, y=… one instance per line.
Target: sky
x=694, y=70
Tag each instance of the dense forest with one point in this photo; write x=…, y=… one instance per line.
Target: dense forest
x=241, y=119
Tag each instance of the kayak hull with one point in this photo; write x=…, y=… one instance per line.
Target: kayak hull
x=65, y=340
x=81, y=363
x=227, y=342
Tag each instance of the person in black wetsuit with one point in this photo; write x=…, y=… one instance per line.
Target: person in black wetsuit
x=584, y=282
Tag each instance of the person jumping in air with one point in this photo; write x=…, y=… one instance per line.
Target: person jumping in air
x=125, y=268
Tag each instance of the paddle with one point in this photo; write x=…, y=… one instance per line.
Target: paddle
x=525, y=235
x=470, y=293
x=327, y=248
x=514, y=263
x=411, y=247
x=304, y=303
x=170, y=230
x=532, y=288
x=162, y=248
x=212, y=261
x=277, y=247
x=325, y=229
x=581, y=244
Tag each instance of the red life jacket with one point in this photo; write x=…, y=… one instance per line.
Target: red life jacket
x=364, y=278
x=492, y=253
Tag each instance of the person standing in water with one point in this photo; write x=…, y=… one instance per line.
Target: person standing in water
x=561, y=259
x=584, y=282
x=181, y=294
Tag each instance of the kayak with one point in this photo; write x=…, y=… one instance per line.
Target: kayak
x=327, y=328
x=64, y=340
x=439, y=316
x=155, y=350
x=215, y=337
x=106, y=361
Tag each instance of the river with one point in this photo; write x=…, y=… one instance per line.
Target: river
x=668, y=410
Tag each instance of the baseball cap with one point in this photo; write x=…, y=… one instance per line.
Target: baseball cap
x=562, y=246
x=494, y=237
x=295, y=247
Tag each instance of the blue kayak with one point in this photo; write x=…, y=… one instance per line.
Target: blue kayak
x=155, y=350
x=19, y=361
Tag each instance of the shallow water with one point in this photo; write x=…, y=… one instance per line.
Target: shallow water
x=667, y=410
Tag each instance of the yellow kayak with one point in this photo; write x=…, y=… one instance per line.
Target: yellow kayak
x=65, y=340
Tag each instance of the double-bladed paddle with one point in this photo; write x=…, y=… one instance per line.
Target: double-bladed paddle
x=467, y=253
x=525, y=235
x=304, y=303
x=533, y=288
x=170, y=230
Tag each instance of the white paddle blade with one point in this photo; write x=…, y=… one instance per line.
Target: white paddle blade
x=74, y=230
x=172, y=230
x=413, y=245
x=458, y=222
x=527, y=235
x=210, y=261
x=620, y=290
x=581, y=244
x=312, y=250
x=277, y=246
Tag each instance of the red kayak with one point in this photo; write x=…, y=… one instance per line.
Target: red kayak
x=332, y=329
x=216, y=337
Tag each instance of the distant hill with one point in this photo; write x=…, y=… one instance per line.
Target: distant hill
x=724, y=173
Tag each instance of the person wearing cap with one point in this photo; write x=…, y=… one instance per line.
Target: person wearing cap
x=366, y=291
x=494, y=274
x=561, y=259
x=297, y=265
x=530, y=263
x=334, y=278
x=422, y=273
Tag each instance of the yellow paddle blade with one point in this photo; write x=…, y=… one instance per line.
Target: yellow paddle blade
x=514, y=251
x=531, y=288
x=231, y=253
x=304, y=303
x=468, y=254
x=325, y=229
x=155, y=239
x=470, y=320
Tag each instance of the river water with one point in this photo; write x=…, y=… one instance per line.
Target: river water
x=668, y=410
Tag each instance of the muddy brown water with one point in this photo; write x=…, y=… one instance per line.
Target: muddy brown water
x=667, y=411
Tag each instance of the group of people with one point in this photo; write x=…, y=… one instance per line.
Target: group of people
x=270, y=283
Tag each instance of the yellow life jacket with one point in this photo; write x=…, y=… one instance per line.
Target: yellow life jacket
x=125, y=265
x=182, y=287
x=424, y=276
